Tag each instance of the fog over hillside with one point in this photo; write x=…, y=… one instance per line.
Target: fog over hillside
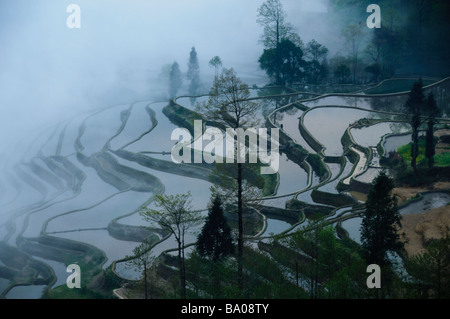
x=114, y=114
x=49, y=70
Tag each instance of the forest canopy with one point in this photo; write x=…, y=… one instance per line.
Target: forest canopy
x=414, y=34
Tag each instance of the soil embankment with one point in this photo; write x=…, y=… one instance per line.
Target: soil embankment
x=421, y=227
x=406, y=193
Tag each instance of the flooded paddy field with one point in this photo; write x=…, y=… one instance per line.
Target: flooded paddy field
x=71, y=180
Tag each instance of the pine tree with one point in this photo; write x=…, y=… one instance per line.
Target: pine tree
x=381, y=222
x=414, y=105
x=193, y=73
x=431, y=269
x=215, y=241
x=175, y=80
x=432, y=111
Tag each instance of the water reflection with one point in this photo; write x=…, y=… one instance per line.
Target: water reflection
x=427, y=202
x=328, y=125
x=41, y=192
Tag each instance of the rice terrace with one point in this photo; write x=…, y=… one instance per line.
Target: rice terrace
x=343, y=131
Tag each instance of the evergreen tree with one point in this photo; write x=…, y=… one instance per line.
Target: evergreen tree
x=414, y=106
x=193, y=73
x=175, y=80
x=284, y=64
x=342, y=73
x=215, y=241
x=381, y=222
x=431, y=269
x=432, y=111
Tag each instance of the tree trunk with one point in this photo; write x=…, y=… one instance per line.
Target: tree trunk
x=145, y=279
x=316, y=264
x=414, y=148
x=429, y=148
x=240, y=228
x=182, y=275
x=277, y=52
x=439, y=278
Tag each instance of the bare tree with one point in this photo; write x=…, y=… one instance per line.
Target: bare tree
x=272, y=17
x=142, y=258
x=353, y=35
x=216, y=63
x=175, y=214
x=229, y=105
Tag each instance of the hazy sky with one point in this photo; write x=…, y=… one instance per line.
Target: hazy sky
x=48, y=71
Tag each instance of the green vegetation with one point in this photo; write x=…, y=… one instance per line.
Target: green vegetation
x=174, y=213
x=314, y=260
x=412, y=38
x=97, y=286
x=331, y=199
x=62, y=292
x=317, y=164
x=431, y=270
x=440, y=160
x=215, y=241
x=270, y=184
x=263, y=277
x=181, y=116
x=381, y=222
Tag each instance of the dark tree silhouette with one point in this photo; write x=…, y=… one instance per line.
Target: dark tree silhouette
x=414, y=105
x=381, y=222
x=283, y=64
x=215, y=240
x=175, y=80
x=193, y=73
x=272, y=17
x=229, y=105
x=430, y=269
x=432, y=111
